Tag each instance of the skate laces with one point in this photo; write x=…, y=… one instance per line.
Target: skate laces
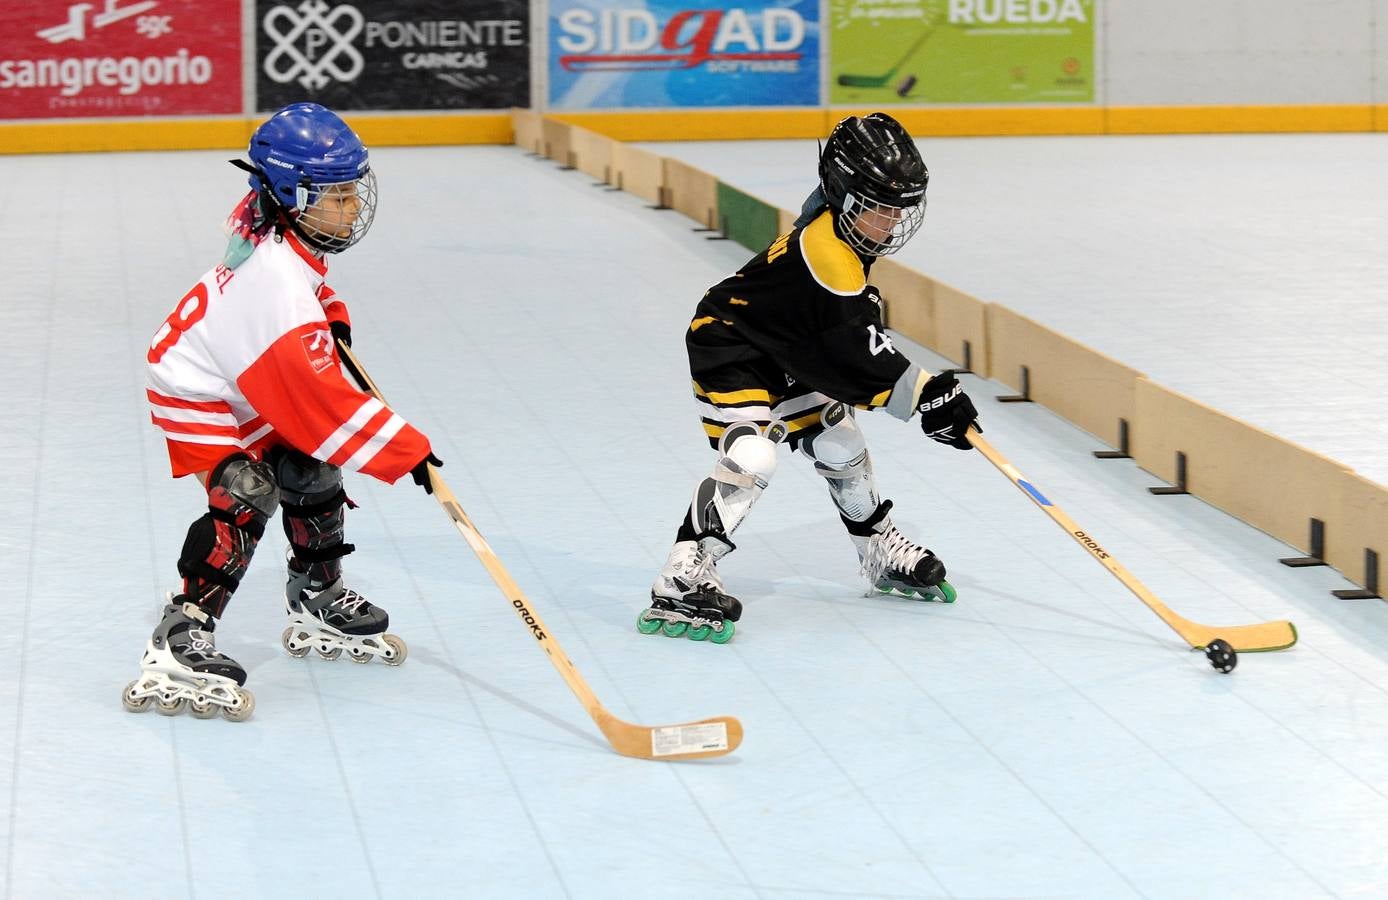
x=700, y=571
x=350, y=601
x=891, y=550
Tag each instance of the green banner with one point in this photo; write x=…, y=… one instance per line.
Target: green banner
x=884, y=52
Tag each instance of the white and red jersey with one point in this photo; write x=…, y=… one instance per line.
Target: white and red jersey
x=246, y=360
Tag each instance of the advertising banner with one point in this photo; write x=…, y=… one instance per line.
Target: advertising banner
x=671, y=53
x=393, y=54
x=119, y=58
x=961, y=51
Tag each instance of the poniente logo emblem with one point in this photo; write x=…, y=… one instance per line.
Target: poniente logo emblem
x=317, y=27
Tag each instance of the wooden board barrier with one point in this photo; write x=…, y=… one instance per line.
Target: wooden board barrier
x=1362, y=522
x=1270, y=483
x=908, y=298
x=592, y=153
x=1082, y=385
x=692, y=191
x=785, y=220
x=637, y=171
x=525, y=123
x=557, y=140
x=957, y=317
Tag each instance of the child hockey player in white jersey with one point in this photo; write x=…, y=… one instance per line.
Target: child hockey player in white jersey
x=786, y=349
x=244, y=381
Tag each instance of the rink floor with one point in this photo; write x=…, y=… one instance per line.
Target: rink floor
x=1045, y=736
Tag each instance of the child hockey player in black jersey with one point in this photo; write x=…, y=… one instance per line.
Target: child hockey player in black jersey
x=786, y=349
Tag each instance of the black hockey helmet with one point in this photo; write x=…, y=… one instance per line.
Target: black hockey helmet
x=874, y=179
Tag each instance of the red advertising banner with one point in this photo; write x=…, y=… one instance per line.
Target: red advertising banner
x=119, y=58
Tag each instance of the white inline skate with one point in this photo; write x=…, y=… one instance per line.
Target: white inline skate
x=183, y=669
x=331, y=618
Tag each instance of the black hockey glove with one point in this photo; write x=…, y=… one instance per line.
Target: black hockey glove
x=420, y=473
x=341, y=332
x=946, y=411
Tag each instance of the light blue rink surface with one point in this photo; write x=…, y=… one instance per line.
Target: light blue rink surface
x=1046, y=736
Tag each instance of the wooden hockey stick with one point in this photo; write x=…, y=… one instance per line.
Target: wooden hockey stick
x=1245, y=638
x=693, y=740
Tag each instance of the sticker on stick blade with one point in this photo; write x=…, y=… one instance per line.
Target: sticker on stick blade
x=701, y=738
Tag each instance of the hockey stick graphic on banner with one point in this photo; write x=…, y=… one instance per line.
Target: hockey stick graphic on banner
x=1277, y=635
x=692, y=740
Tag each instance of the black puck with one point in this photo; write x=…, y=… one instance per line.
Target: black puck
x=1221, y=655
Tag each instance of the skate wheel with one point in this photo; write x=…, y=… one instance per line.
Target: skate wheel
x=300, y=653
x=206, y=710
x=722, y=637
x=674, y=629
x=243, y=709
x=169, y=708
x=947, y=593
x=332, y=654
x=399, y=650
x=699, y=632
x=646, y=624
x=131, y=702
x=360, y=657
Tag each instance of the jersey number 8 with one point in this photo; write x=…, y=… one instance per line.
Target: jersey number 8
x=188, y=313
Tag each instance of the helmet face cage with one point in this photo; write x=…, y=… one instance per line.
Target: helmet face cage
x=875, y=180
x=316, y=169
x=878, y=229
x=336, y=215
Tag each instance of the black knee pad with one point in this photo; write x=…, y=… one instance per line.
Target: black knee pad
x=219, y=546
x=313, y=500
x=305, y=481
x=250, y=482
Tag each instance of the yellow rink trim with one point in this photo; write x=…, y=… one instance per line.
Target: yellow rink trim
x=986, y=121
x=388, y=129
x=232, y=133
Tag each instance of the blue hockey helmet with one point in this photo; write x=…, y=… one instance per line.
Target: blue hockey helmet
x=317, y=170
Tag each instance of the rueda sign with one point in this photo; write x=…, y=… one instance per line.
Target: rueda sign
x=961, y=51
x=119, y=58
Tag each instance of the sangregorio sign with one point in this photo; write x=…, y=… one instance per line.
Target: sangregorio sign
x=668, y=54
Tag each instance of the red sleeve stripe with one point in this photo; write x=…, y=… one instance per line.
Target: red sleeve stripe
x=174, y=403
x=347, y=430
x=375, y=445
x=343, y=453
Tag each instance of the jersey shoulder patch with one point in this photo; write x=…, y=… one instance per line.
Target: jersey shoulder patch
x=831, y=262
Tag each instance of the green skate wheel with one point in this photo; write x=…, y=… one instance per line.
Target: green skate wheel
x=722, y=637
x=947, y=592
x=647, y=625
x=699, y=632
x=674, y=629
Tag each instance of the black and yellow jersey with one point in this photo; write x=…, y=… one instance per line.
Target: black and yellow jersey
x=801, y=307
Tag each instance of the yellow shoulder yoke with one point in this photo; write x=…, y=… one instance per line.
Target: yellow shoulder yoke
x=831, y=262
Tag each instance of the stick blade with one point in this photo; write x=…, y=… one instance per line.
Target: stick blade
x=1263, y=637
x=703, y=739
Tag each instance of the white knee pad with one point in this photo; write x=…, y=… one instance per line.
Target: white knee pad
x=841, y=457
x=746, y=462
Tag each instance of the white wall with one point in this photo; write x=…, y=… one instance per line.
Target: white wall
x=1214, y=52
